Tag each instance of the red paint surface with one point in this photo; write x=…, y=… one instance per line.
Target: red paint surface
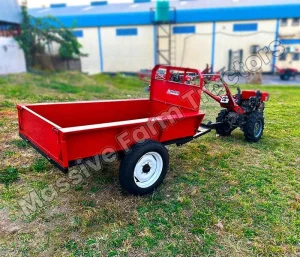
x=69, y=131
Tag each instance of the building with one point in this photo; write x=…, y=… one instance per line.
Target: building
x=11, y=56
x=46, y=3
x=126, y=37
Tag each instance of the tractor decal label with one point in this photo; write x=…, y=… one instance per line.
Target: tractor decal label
x=173, y=92
x=224, y=99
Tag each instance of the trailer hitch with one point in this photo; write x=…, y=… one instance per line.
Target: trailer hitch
x=216, y=125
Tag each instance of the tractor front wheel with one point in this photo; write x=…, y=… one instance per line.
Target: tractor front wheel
x=144, y=168
x=254, y=127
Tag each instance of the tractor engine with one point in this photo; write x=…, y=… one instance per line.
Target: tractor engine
x=253, y=103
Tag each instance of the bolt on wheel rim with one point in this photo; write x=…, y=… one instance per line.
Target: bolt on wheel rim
x=148, y=169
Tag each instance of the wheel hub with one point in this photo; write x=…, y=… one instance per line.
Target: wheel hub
x=257, y=128
x=148, y=169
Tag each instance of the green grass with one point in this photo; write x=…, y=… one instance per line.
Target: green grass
x=20, y=143
x=221, y=197
x=8, y=176
x=40, y=165
x=6, y=104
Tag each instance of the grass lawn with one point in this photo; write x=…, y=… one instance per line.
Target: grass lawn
x=221, y=197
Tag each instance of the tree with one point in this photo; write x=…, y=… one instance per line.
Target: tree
x=37, y=33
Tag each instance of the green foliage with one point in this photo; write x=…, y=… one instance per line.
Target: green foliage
x=69, y=49
x=40, y=164
x=20, y=143
x=37, y=33
x=8, y=176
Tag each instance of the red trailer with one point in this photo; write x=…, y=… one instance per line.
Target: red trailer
x=140, y=128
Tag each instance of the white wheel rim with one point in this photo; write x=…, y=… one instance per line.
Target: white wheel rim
x=257, y=128
x=148, y=169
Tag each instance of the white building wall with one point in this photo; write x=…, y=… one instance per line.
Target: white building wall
x=12, y=59
x=127, y=53
x=194, y=50
x=227, y=39
x=90, y=64
x=289, y=30
x=130, y=53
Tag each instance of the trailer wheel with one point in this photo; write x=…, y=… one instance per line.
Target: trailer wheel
x=224, y=130
x=254, y=127
x=144, y=168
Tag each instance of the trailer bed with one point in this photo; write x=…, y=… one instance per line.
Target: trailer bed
x=66, y=132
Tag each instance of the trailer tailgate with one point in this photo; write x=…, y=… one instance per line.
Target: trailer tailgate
x=43, y=135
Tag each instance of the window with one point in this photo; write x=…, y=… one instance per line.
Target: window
x=254, y=49
x=141, y=1
x=295, y=22
x=58, y=5
x=127, y=32
x=9, y=30
x=284, y=22
x=184, y=30
x=78, y=33
x=296, y=56
x=282, y=57
x=244, y=27
x=96, y=3
x=290, y=41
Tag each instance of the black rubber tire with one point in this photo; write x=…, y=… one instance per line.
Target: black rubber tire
x=255, y=121
x=286, y=77
x=129, y=161
x=224, y=130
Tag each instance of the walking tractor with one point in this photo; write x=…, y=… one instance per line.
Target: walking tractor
x=67, y=134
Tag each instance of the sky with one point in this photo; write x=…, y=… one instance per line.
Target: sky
x=41, y=3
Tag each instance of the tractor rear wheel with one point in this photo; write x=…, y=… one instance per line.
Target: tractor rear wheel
x=224, y=130
x=144, y=168
x=254, y=127
x=285, y=77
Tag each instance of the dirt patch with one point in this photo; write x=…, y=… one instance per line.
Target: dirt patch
x=8, y=227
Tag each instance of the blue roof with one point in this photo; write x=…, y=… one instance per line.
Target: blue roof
x=186, y=11
x=10, y=11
